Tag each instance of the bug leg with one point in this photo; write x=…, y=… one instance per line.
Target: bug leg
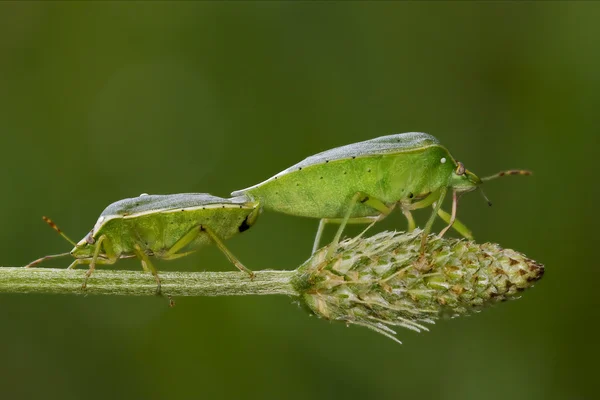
x=226, y=251
x=452, y=221
x=75, y=263
x=429, y=224
x=181, y=243
x=359, y=220
x=376, y=204
x=429, y=200
x=364, y=199
x=453, y=216
x=102, y=240
x=147, y=265
x=193, y=234
x=373, y=220
x=177, y=255
x=426, y=202
x=99, y=261
x=409, y=217
x=457, y=226
x=322, y=224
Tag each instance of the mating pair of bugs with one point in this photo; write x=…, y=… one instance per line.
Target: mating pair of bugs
x=357, y=183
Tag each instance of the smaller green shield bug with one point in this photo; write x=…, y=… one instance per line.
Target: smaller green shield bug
x=161, y=226
x=363, y=182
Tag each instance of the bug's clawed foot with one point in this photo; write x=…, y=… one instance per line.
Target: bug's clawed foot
x=85, y=280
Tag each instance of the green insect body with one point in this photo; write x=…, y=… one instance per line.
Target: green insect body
x=363, y=182
x=162, y=226
x=322, y=186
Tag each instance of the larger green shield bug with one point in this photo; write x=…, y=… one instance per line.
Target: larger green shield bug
x=161, y=226
x=363, y=182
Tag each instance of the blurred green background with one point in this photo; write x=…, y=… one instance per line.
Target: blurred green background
x=100, y=102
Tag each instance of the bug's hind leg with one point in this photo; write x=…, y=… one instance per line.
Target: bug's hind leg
x=189, y=237
x=363, y=198
x=227, y=253
x=322, y=223
x=362, y=220
x=325, y=221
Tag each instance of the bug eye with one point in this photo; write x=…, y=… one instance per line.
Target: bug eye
x=89, y=238
x=460, y=170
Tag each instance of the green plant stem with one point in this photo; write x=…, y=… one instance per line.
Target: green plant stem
x=137, y=283
x=379, y=282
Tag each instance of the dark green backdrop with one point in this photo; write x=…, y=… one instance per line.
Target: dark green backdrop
x=104, y=101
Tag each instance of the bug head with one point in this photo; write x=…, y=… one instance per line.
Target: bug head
x=463, y=180
x=85, y=247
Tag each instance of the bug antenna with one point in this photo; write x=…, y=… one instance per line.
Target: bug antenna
x=504, y=173
x=485, y=197
x=57, y=229
x=40, y=260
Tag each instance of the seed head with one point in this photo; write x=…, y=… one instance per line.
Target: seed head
x=382, y=281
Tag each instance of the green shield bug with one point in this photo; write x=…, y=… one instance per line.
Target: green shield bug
x=363, y=182
x=161, y=226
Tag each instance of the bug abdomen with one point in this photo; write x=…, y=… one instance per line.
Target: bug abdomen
x=325, y=190
x=156, y=233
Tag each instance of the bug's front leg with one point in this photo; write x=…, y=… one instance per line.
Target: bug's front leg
x=452, y=221
x=147, y=265
x=453, y=216
x=426, y=202
x=457, y=225
x=88, y=261
x=111, y=257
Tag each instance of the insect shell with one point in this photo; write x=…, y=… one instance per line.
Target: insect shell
x=364, y=181
x=157, y=222
x=162, y=226
x=403, y=167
